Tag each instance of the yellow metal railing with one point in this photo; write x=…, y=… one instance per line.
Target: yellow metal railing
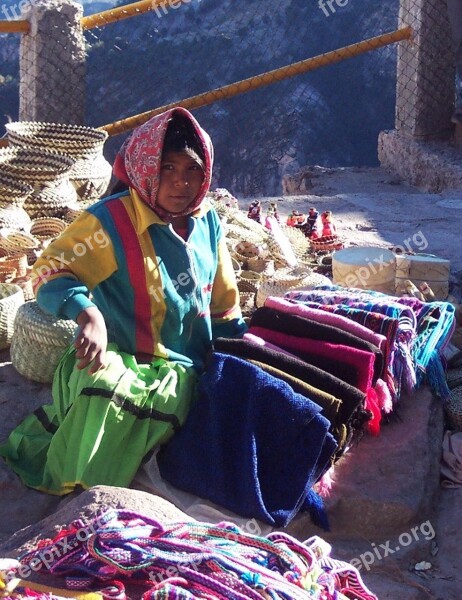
x=14, y=27
x=124, y=12
x=258, y=81
x=102, y=18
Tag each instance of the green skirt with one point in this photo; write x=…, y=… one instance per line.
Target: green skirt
x=101, y=426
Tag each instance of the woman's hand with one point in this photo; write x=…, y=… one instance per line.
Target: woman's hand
x=91, y=341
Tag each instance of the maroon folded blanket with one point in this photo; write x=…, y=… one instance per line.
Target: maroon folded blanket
x=360, y=363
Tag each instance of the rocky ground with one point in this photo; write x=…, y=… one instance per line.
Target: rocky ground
x=387, y=507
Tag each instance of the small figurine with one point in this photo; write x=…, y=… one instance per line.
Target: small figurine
x=311, y=229
x=273, y=210
x=292, y=219
x=254, y=211
x=427, y=292
x=328, y=226
x=296, y=219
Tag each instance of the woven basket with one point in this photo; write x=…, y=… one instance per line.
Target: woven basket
x=72, y=212
x=34, y=166
x=236, y=266
x=25, y=283
x=279, y=286
x=298, y=241
x=280, y=249
x=15, y=217
x=47, y=172
x=17, y=242
x=39, y=342
x=11, y=298
x=326, y=243
x=7, y=273
x=13, y=194
x=238, y=217
x=453, y=408
x=12, y=191
x=291, y=276
x=222, y=209
x=250, y=250
x=240, y=233
x=47, y=228
x=270, y=287
x=17, y=261
x=247, y=303
x=264, y=266
x=91, y=172
x=51, y=201
x=249, y=281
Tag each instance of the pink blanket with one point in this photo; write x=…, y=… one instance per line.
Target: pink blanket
x=321, y=316
x=361, y=361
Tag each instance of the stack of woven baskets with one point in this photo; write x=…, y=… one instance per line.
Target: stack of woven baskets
x=90, y=172
x=260, y=260
x=47, y=172
x=21, y=238
x=48, y=175
x=15, y=226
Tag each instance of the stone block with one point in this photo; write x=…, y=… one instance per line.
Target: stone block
x=431, y=166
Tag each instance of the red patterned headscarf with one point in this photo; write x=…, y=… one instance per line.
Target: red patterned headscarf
x=138, y=162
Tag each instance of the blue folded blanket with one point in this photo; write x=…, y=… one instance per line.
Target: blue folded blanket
x=250, y=443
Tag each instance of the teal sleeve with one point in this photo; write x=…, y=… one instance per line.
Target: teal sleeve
x=235, y=328
x=64, y=298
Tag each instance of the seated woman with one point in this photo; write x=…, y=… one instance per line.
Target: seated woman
x=148, y=303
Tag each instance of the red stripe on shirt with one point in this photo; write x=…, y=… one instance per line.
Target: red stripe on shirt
x=37, y=280
x=226, y=313
x=135, y=266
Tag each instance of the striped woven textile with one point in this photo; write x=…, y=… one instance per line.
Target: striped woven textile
x=188, y=560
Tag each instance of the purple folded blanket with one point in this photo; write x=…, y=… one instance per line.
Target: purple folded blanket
x=250, y=443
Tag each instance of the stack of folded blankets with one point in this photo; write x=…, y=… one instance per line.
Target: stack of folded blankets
x=277, y=408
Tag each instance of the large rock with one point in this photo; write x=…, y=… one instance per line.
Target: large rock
x=86, y=506
x=19, y=506
x=389, y=483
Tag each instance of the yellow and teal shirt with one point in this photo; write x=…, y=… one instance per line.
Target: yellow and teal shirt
x=160, y=295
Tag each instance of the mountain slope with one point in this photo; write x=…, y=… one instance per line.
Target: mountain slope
x=330, y=116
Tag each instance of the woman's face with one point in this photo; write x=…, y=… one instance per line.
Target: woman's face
x=180, y=181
